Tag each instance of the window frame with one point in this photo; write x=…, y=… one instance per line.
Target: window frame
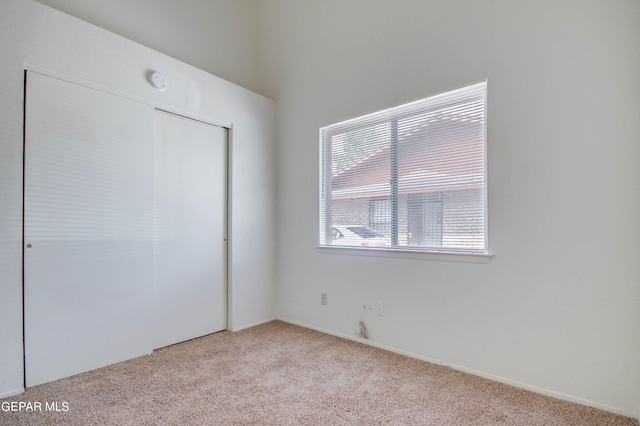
x=392, y=116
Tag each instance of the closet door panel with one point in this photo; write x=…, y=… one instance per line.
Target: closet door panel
x=190, y=253
x=88, y=227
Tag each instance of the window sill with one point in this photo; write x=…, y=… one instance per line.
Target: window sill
x=444, y=256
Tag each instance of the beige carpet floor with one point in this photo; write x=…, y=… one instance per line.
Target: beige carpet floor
x=281, y=374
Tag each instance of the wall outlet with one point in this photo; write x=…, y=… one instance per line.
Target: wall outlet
x=380, y=309
x=323, y=298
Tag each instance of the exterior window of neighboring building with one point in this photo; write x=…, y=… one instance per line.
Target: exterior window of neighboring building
x=414, y=175
x=380, y=215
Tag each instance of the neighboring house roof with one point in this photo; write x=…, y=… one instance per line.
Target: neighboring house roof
x=428, y=160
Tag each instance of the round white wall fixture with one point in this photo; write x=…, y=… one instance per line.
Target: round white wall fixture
x=159, y=81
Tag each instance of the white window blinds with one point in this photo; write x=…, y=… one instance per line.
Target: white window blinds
x=410, y=177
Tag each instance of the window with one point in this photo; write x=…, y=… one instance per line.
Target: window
x=414, y=176
x=380, y=215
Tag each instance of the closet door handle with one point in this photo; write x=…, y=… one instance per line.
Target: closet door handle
x=29, y=246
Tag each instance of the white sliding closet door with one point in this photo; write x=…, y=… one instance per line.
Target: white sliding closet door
x=190, y=260
x=88, y=228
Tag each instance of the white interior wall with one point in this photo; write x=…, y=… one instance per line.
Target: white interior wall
x=218, y=36
x=46, y=39
x=557, y=308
